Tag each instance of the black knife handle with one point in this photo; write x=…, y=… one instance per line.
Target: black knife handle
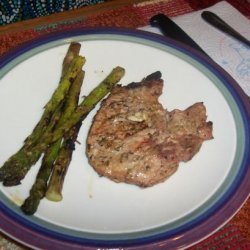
x=172, y=30
x=218, y=23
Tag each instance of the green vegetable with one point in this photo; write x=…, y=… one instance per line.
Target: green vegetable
x=87, y=104
x=55, y=186
x=16, y=167
x=39, y=187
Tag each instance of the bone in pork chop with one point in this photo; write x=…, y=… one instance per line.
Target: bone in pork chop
x=133, y=139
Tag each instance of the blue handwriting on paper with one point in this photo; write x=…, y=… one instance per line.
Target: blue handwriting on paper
x=243, y=66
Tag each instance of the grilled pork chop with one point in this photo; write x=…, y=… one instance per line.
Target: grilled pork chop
x=133, y=139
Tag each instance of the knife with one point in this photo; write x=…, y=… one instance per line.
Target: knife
x=218, y=23
x=172, y=30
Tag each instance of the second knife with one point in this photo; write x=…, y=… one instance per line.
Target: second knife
x=172, y=30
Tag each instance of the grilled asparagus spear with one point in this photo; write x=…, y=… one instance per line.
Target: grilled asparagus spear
x=65, y=154
x=16, y=167
x=54, y=192
x=87, y=104
x=39, y=188
x=69, y=75
x=55, y=186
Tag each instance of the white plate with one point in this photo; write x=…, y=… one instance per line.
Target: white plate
x=96, y=211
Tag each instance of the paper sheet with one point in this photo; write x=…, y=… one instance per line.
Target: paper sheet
x=230, y=54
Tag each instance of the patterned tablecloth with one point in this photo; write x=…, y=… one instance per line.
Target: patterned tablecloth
x=234, y=235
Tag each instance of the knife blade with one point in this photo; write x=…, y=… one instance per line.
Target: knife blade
x=218, y=23
x=172, y=30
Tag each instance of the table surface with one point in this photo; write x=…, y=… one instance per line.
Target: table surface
x=119, y=13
